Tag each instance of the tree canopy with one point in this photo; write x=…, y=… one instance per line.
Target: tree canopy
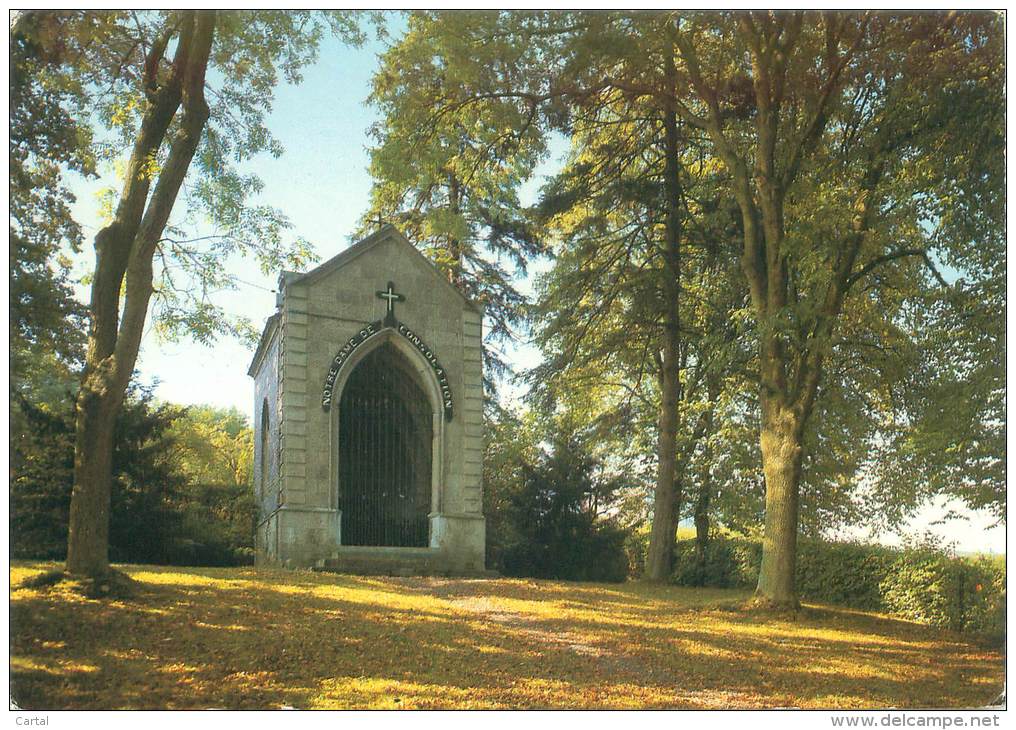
x=837, y=174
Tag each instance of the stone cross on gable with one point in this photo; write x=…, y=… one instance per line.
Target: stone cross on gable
x=390, y=297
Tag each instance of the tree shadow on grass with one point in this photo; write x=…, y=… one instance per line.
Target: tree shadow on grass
x=255, y=639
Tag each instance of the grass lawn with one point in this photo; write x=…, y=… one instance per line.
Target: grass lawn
x=255, y=638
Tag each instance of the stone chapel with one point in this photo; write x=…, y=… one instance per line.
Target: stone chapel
x=369, y=417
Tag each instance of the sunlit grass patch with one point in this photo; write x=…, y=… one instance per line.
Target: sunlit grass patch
x=253, y=638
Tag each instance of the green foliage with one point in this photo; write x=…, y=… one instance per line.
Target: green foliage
x=42, y=461
x=46, y=138
x=636, y=548
x=179, y=99
x=82, y=84
x=901, y=181
x=254, y=51
x=847, y=574
x=181, y=477
x=966, y=594
x=726, y=563
x=545, y=511
x=145, y=481
x=214, y=450
x=922, y=582
x=144, y=522
x=602, y=308
x=510, y=443
x=583, y=553
x=447, y=173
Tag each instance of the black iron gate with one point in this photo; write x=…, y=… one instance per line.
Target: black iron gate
x=385, y=441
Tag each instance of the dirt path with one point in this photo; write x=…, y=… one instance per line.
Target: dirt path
x=488, y=610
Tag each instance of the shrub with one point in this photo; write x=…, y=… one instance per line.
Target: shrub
x=595, y=553
x=985, y=612
x=843, y=573
x=922, y=583
x=159, y=513
x=920, y=587
x=725, y=564
x=965, y=594
x=548, y=527
x=636, y=547
x=605, y=557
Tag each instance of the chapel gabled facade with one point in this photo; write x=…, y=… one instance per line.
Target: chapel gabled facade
x=369, y=416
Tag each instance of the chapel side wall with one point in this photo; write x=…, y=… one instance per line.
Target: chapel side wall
x=266, y=486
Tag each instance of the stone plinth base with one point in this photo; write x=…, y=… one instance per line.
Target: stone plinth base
x=463, y=537
x=356, y=560
x=307, y=537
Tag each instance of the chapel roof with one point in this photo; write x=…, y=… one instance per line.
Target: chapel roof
x=386, y=232
x=266, y=338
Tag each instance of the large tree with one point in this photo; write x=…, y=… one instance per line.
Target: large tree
x=848, y=140
x=448, y=175
x=839, y=174
x=815, y=120
x=469, y=99
x=608, y=308
x=177, y=95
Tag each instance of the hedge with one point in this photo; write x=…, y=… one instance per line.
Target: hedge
x=922, y=584
x=595, y=553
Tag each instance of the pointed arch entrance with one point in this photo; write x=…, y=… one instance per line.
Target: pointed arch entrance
x=385, y=447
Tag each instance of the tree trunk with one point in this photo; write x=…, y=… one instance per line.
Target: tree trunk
x=760, y=193
x=705, y=493
x=454, y=245
x=659, y=560
x=88, y=537
x=702, y=516
x=124, y=250
x=781, y=462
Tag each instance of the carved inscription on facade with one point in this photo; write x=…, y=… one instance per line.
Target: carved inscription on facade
x=365, y=333
x=347, y=349
x=442, y=376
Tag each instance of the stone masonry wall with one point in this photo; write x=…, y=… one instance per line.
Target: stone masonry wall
x=319, y=313
x=266, y=486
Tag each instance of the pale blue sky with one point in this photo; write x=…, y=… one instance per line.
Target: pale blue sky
x=322, y=184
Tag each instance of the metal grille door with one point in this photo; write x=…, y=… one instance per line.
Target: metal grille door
x=385, y=441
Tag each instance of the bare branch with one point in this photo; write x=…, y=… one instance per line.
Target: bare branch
x=892, y=256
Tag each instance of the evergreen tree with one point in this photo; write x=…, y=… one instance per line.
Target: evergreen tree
x=558, y=517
